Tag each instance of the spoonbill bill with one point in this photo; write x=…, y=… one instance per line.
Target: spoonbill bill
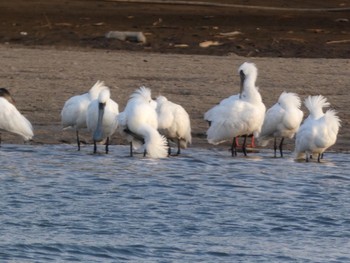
x=319, y=130
x=174, y=123
x=73, y=114
x=101, y=118
x=242, y=115
x=138, y=123
x=11, y=120
x=281, y=120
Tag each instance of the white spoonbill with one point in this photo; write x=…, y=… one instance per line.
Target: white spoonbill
x=220, y=109
x=174, y=123
x=11, y=120
x=319, y=130
x=101, y=118
x=281, y=120
x=139, y=123
x=243, y=116
x=73, y=114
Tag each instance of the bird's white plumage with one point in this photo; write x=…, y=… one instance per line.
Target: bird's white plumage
x=219, y=109
x=11, y=120
x=173, y=121
x=240, y=115
x=140, y=118
x=73, y=113
x=319, y=130
x=109, y=122
x=283, y=119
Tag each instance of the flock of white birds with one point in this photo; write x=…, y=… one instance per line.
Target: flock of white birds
x=150, y=125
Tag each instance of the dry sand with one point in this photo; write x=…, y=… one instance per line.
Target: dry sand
x=41, y=80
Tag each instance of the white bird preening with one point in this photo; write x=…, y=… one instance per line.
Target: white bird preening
x=319, y=130
x=11, y=120
x=101, y=118
x=139, y=124
x=282, y=120
x=242, y=115
x=73, y=114
x=174, y=123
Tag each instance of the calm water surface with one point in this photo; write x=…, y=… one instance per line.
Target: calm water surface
x=58, y=204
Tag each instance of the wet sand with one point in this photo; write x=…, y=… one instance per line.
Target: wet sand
x=42, y=79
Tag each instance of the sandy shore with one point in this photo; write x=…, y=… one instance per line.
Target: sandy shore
x=41, y=80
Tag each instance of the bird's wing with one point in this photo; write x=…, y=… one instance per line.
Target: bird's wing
x=13, y=121
x=272, y=120
x=74, y=111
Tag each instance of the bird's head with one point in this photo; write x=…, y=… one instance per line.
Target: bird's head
x=247, y=71
x=242, y=77
x=6, y=94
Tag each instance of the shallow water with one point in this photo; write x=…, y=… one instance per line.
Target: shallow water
x=58, y=204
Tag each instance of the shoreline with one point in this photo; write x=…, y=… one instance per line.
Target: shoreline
x=42, y=79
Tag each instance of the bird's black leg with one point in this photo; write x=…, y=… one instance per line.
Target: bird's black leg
x=319, y=157
x=234, y=147
x=275, y=147
x=107, y=143
x=78, y=140
x=244, y=146
x=169, y=148
x=95, y=147
x=131, y=153
x=281, y=145
x=178, y=147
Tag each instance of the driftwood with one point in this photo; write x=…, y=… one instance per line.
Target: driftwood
x=127, y=36
x=344, y=41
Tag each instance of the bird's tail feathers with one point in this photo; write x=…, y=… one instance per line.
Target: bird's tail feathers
x=332, y=118
x=185, y=142
x=186, y=137
x=315, y=103
x=142, y=92
x=26, y=129
x=291, y=97
x=208, y=116
x=215, y=135
x=155, y=144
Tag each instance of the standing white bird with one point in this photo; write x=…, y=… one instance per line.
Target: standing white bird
x=73, y=114
x=11, y=120
x=319, y=131
x=101, y=118
x=244, y=115
x=139, y=124
x=174, y=123
x=220, y=109
x=281, y=120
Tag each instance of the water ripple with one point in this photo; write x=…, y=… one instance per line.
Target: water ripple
x=203, y=206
